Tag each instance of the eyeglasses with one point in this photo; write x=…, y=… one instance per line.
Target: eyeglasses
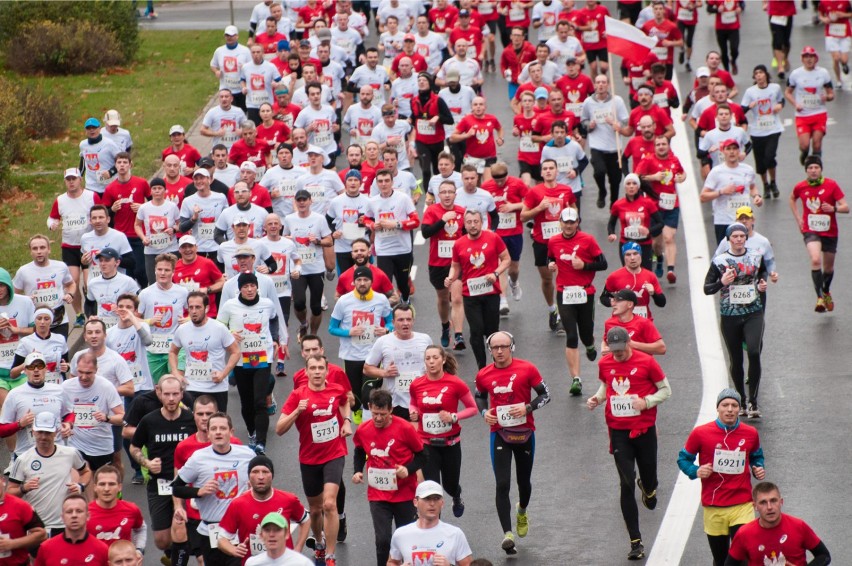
x=387, y=113
x=497, y=347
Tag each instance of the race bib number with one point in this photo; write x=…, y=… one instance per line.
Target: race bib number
x=206, y=230
x=164, y=486
x=668, y=201
x=476, y=162
x=190, y=286
x=564, y=164
x=287, y=188
x=782, y=21
x=506, y=420
x=383, y=479
x=622, y=406
x=601, y=116
x=728, y=18
x=94, y=270
x=74, y=222
x=685, y=15
x=641, y=311
x=252, y=342
x=351, y=231
x=811, y=100
x=742, y=294
x=282, y=283
x=591, y=36
x=402, y=382
x=819, y=222
x=445, y=248
x=479, y=286
x=367, y=338
x=662, y=53
x=661, y=100
x=256, y=545
x=550, y=229
x=325, y=431
x=516, y=14
x=138, y=376
x=729, y=461
x=213, y=533
x=7, y=353
x=160, y=344
x=160, y=240
x=765, y=122
x=48, y=295
x=322, y=139
x=632, y=233
x=432, y=424
x=507, y=220
x=737, y=200
x=485, y=8
x=837, y=30
x=574, y=295
x=84, y=415
x=636, y=82
x=308, y=254
x=575, y=107
x=527, y=145
x=198, y=370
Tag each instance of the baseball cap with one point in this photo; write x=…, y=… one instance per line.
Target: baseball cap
x=464, y=13
x=232, y=30
x=92, y=123
x=314, y=149
x=240, y=219
x=34, y=357
x=323, y=34
x=302, y=194
x=427, y=488
x=728, y=393
x=201, y=171
x=408, y=37
x=112, y=118
x=176, y=129
x=187, y=239
x=745, y=211
x=702, y=72
x=244, y=251
x=109, y=253
x=276, y=519
x=729, y=142
x=72, y=172
x=808, y=50
x=45, y=422
x=625, y=295
x=540, y=92
x=206, y=162
x=617, y=339
x=570, y=60
x=569, y=215
x=304, y=43
x=453, y=76
x=248, y=166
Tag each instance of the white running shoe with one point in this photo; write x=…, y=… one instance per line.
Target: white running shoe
x=517, y=292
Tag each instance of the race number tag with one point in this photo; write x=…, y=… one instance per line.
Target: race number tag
x=432, y=424
x=765, y=122
x=668, y=201
x=476, y=162
x=811, y=100
x=213, y=533
x=591, y=36
x=728, y=18
x=206, y=230
x=252, y=342
x=641, y=311
x=138, y=376
x=819, y=222
x=564, y=164
x=445, y=248
x=7, y=352
x=661, y=100
x=383, y=479
x=479, y=286
x=836, y=30
x=742, y=294
x=737, y=200
x=322, y=139
x=729, y=461
x=550, y=229
x=160, y=344
x=308, y=254
x=282, y=283
x=782, y=21
x=402, y=382
x=198, y=370
x=47, y=295
x=685, y=15
x=506, y=420
x=574, y=295
x=160, y=240
x=256, y=545
x=517, y=15
x=367, y=338
x=507, y=220
x=74, y=222
x=351, y=231
x=662, y=53
x=425, y=128
x=622, y=406
x=325, y=431
x=632, y=233
x=164, y=486
x=84, y=415
x=485, y=8
x=527, y=145
x=287, y=188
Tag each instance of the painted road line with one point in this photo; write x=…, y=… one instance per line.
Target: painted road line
x=419, y=240
x=686, y=496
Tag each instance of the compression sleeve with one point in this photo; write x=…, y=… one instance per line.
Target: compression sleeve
x=335, y=330
x=359, y=459
x=180, y=489
x=686, y=463
x=417, y=463
x=543, y=396
x=664, y=391
x=597, y=264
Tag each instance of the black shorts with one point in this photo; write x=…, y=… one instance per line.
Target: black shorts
x=437, y=274
x=593, y=55
x=95, y=462
x=829, y=244
x=671, y=218
x=514, y=245
x=193, y=536
x=71, y=257
x=160, y=507
x=781, y=34
x=492, y=25
x=314, y=477
x=629, y=11
x=533, y=170
x=540, y=254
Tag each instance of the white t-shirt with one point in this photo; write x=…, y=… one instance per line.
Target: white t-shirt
x=111, y=367
x=21, y=313
x=324, y=119
x=410, y=543
x=301, y=230
x=289, y=558
x=90, y=437
x=346, y=210
x=121, y=138
x=285, y=254
x=44, y=285
x=460, y=103
x=347, y=40
x=469, y=70
x=265, y=288
x=253, y=321
x=155, y=220
x=362, y=121
x=105, y=293
x=715, y=136
x=395, y=137
x=204, y=229
x=376, y=78
x=231, y=120
x=91, y=242
x=230, y=62
x=725, y=207
x=98, y=159
x=256, y=215
x=431, y=48
x=127, y=343
x=259, y=79
x=229, y=175
x=53, y=472
x=550, y=73
x=567, y=157
x=403, y=90
x=205, y=353
x=392, y=44
x=480, y=200
x=808, y=87
x=324, y=186
x=571, y=47
x=171, y=303
x=351, y=312
x=762, y=121
x=547, y=16
x=397, y=206
x=436, y=180
x=74, y=216
x=407, y=355
x=283, y=180
x=26, y=398
x=52, y=348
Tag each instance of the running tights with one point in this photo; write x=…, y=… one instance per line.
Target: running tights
x=738, y=330
x=444, y=466
x=641, y=451
x=501, y=461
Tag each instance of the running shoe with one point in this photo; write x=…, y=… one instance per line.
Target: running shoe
x=773, y=186
x=522, y=523
x=637, y=550
x=324, y=302
x=591, y=353
x=734, y=69
x=820, y=306
x=138, y=478
x=357, y=416
x=601, y=202
x=845, y=67
x=576, y=387
x=782, y=75
x=743, y=411
x=681, y=57
x=458, y=506
x=319, y=555
x=553, y=320
x=260, y=449
x=342, y=531
x=504, y=307
x=508, y=544
x=279, y=370
x=272, y=405
x=459, y=344
x=79, y=321
x=445, y=337
x=330, y=561
x=688, y=67
x=517, y=292
x=829, y=302
x=649, y=500
x=672, y=278
x=252, y=441
x=303, y=330
x=753, y=411
x=774, y=63
x=560, y=330
x=658, y=270
x=165, y=560
x=329, y=274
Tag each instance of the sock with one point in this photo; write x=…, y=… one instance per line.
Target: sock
x=671, y=268
x=816, y=275
x=522, y=510
x=826, y=281
x=180, y=553
x=551, y=308
x=459, y=335
x=445, y=325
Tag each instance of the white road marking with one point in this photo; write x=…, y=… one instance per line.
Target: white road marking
x=419, y=240
x=413, y=274
x=789, y=122
x=686, y=496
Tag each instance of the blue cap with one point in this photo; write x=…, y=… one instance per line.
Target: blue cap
x=283, y=45
x=92, y=123
x=540, y=92
x=631, y=247
x=353, y=173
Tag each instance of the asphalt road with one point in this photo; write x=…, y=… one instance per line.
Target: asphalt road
x=574, y=514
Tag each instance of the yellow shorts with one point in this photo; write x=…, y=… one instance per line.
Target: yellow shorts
x=719, y=520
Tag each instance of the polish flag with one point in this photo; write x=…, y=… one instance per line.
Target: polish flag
x=627, y=41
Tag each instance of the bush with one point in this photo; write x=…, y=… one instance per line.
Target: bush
x=119, y=17
x=44, y=114
x=71, y=48
x=12, y=136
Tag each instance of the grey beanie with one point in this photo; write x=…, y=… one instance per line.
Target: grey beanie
x=729, y=393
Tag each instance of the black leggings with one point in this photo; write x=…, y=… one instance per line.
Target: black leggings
x=720, y=544
x=728, y=38
x=629, y=454
x=578, y=322
x=748, y=329
x=501, y=463
x=647, y=254
x=688, y=33
x=483, y=318
x=385, y=515
x=344, y=261
x=605, y=164
x=443, y=465
x=313, y=282
x=355, y=372
x=253, y=387
x=765, y=148
x=397, y=267
x=427, y=156
x=221, y=398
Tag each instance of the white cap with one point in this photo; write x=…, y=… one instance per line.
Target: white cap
x=187, y=239
x=427, y=488
x=315, y=149
x=112, y=118
x=248, y=166
x=232, y=30
x=72, y=172
x=176, y=129
x=45, y=422
x=240, y=219
x=702, y=72
x=201, y=171
x=569, y=215
x=34, y=357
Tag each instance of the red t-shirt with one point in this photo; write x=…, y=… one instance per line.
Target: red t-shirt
x=482, y=145
x=443, y=20
x=386, y=448
x=319, y=425
x=241, y=152
x=441, y=243
x=707, y=120
x=512, y=192
x=786, y=8
x=667, y=30
x=839, y=29
x=477, y=259
x=815, y=220
x=203, y=272
x=639, y=72
x=724, y=489
x=270, y=42
x=631, y=215
x=623, y=279
x=16, y=518
x=245, y=513
x=660, y=117
x=638, y=376
x=545, y=120
x=287, y=114
x=90, y=551
x=307, y=14
x=637, y=149
x=576, y=90
x=135, y=190
x=666, y=189
x=189, y=156
x=789, y=539
x=278, y=132
x=546, y=222
x=516, y=16
x=175, y=191
x=259, y=196
x=381, y=283
x=335, y=375
x=563, y=250
x=594, y=38
x=727, y=17
x=418, y=63
x=528, y=151
x=486, y=13
x=111, y=525
x=430, y=397
x=639, y=328
x=685, y=14
x=725, y=76
x=510, y=385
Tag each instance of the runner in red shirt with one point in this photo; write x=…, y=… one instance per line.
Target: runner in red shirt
x=639, y=217
x=443, y=16
x=644, y=336
x=516, y=54
x=361, y=256
x=175, y=182
x=189, y=156
x=556, y=111
x=575, y=86
x=686, y=14
x=465, y=29
x=632, y=385
x=308, y=15
x=728, y=452
x=536, y=82
x=575, y=256
x=639, y=146
x=636, y=278
x=645, y=96
x=728, y=13
x=504, y=399
x=637, y=73
x=775, y=536
x=270, y=38
x=707, y=120
x=312, y=345
x=124, y=196
x=250, y=148
x=195, y=272
x=668, y=37
x=271, y=131
x=509, y=193
x=482, y=133
x=112, y=519
x=543, y=204
x=529, y=152
x=75, y=545
x=321, y=413
x=590, y=22
x=20, y=523
x=392, y=452
x=665, y=94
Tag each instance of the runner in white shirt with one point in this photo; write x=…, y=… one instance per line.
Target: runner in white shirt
x=128, y=339
x=288, y=261
x=404, y=88
x=319, y=121
x=346, y=215
x=101, y=237
x=97, y=155
x=429, y=45
x=429, y=536
x=242, y=208
x=242, y=245
x=569, y=157
x=199, y=212
x=708, y=145
x=390, y=41
x=280, y=180
x=397, y=134
x=310, y=74
x=47, y=282
x=53, y=347
x=156, y=225
x=403, y=182
x=228, y=61
x=163, y=305
x=469, y=71
x=225, y=172
x=544, y=15
x=405, y=11
x=103, y=291
x=370, y=73
x=446, y=172
x=764, y=102
x=808, y=89
x=564, y=45
x=361, y=118
x=344, y=36
x=729, y=186
x=257, y=79
x=211, y=352
x=223, y=122
x=471, y=197
x=17, y=317
x=322, y=184
x=119, y=136
x=111, y=366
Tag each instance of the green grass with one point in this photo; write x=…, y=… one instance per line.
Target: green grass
x=169, y=83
